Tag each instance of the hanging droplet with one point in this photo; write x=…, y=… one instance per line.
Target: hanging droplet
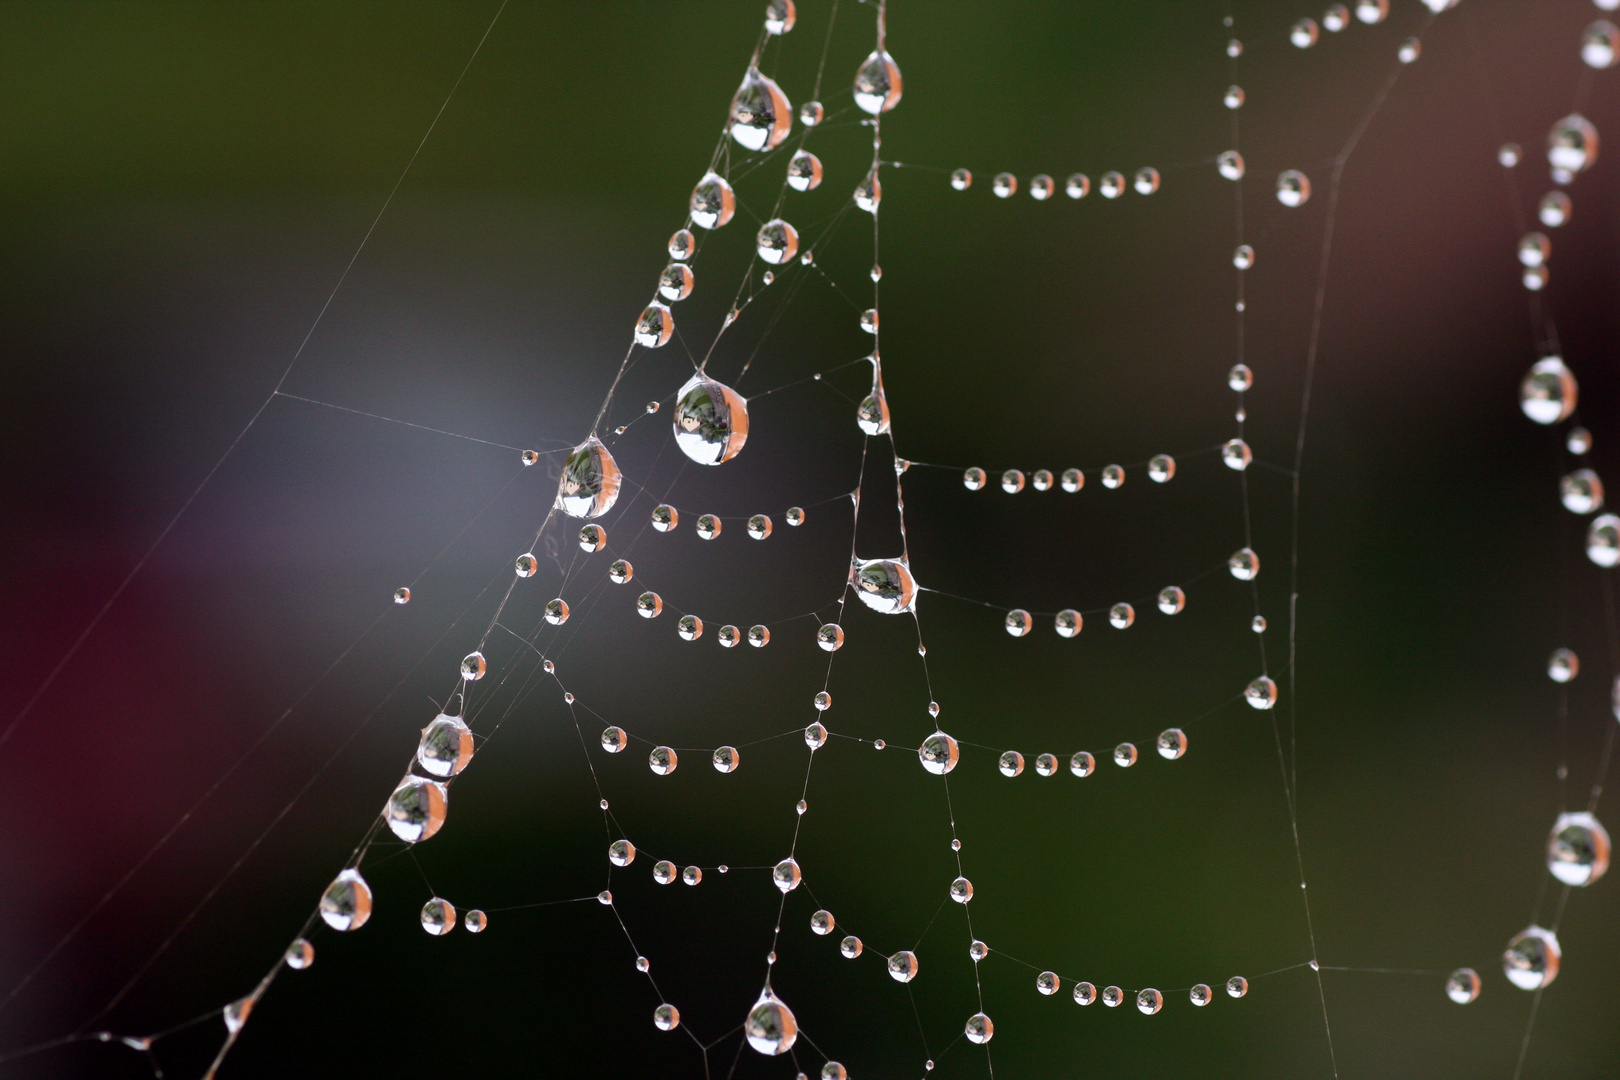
x=1578, y=441
x=236, y=1013
x=346, y=903
x=557, y=611
x=1236, y=454
x=823, y=701
x=869, y=192
x=708, y=526
x=804, y=172
x=711, y=426
x=760, y=114
x=1304, y=34
x=830, y=637
x=728, y=636
x=299, y=955
x=1508, y=154
x=1018, y=622
x=621, y=853
x=961, y=891
x=1600, y=44
x=878, y=84
x=903, y=966
x=822, y=922
x=1372, y=12
x=1578, y=849
x=759, y=636
x=1004, y=185
x=712, y=203
x=1201, y=995
x=666, y=1018
x=872, y=415
x=725, y=759
x=884, y=585
x=1146, y=181
x=1072, y=480
x=1336, y=18
x=794, y=516
x=1293, y=188
x=1532, y=958
x=682, y=244
x=1068, y=622
x=1084, y=993
x=850, y=947
x=1125, y=755
x=1572, y=144
x=663, y=760
x=1171, y=600
x=1112, y=185
x=1581, y=492
x=1563, y=665
x=649, y=605
x=1113, y=996
x=675, y=283
x=815, y=736
x=1230, y=164
x=614, y=739
x=777, y=242
x=1041, y=187
x=1121, y=616
x=811, y=113
x=1410, y=50
x=438, y=917
x=642, y=964
x=770, y=1027
x=416, y=809
x=664, y=872
x=1237, y=985
x=654, y=326
x=961, y=179
x=1048, y=983
x=1077, y=186
x=1554, y=209
x=473, y=667
x=938, y=753
x=1261, y=693
x=1082, y=764
x=620, y=571
x=1172, y=743
x=690, y=628
x=1113, y=476
x=1234, y=97
x=527, y=565
x=589, y=485
x=759, y=526
x=869, y=320
x=1244, y=564
x=1161, y=468
x=785, y=875
x=1240, y=378
x=779, y=19
x=1012, y=481
x=1258, y=624
x=1549, y=393
x=973, y=479
x=446, y=746
x=402, y=595
x=1149, y=1001
x=1011, y=763
x=1234, y=48
x=1463, y=986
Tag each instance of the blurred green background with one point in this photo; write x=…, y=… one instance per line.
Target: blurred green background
x=182, y=185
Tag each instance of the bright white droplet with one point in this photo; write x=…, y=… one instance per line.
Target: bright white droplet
x=1146, y=181
x=1549, y=392
x=621, y=853
x=1372, y=12
x=1244, y=564
x=1161, y=467
x=708, y=526
x=878, y=84
x=1172, y=600
x=1041, y=187
x=850, y=947
x=777, y=242
x=1304, y=33
x=1240, y=378
x=1011, y=763
x=1113, y=476
x=1293, y=188
x=690, y=628
x=649, y=605
x=1048, y=983
x=1572, y=144
x=1234, y=97
x=1125, y=755
x=1172, y=743
x=710, y=423
x=760, y=114
x=785, y=875
x=1068, y=622
x=1409, y=51
x=1463, y=986
x=1121, y=616
x=938, y=753
x=1600, y=44
x=1261, y=693
x=473, y=667
x=1018, y=622
x=1578, y=849
x=1563, y=665
x=1077, y=186
x=779, y=19
x=1230, y=165
x=557, y=611
x=1554, y=209
x=1112, y=185
x=1084, y=993
x=1082, y=764
x=1532, y=958
x=1237, y=986
x=666, y=1017
x=1149, y=1001
x=961, y=890
x=1581, y=492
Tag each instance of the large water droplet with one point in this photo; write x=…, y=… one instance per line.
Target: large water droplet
x=961, y=179
x=1018, y=622
x=346, y=903
x=1572, y=144
x=473, y=667
x=1200, y=994
x=446, y=746
x=416, y=809
x=1112, y=185
x=770, y=1027
x=589, y=485
x=1261, y=693
x=1048, y=983
x=1146, y=181
x=872, y=414
x=1121, y=616
x=1084, y=993
x=1011, y=763
x=760, y=114
x=713, y=202
x=777, y=242
x=869, y=192
x=649, y=605
x=557, y=611
x=1578, y=849
x=1161, y=467
x=1581, y=492
x=711, y=426
x=1068, y=622
x=878, y=84
x=1125, y=755
x=1600, y=44
x=1172, y=743
x=903, y=966
x=815, y=736
x=1532, y=958
x=1549, y=392
x=1237, y=986
x=884, y=585
x=614, y=739
x=804, y=172
x=1336, y=18
x=1372, y=12
x=690, y=628
x=1563, y=665
x=1230, y=164
x=1072, y=480
x=938, y=753
x=675, y=283
x=779, y=18
x=1304, y=33
x=438, y=916
x=1463, y=985
x=785, y=875
x=1293, y=188
x=850, y=947
x=654, y=326
x=1244, y=564
x=1041, y=187
x=1234, y=97
x=1554, y=209
x=236, y=1013
x=1004, y=185
x=663, y=760
x=1149, y=1001
x=1082, y=764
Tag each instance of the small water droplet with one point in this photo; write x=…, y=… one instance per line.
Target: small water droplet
x=961, y=179
x=1004, y=185
x=663, y=760
x=1082, y=764
x=1011, y=763
x=1293, y=188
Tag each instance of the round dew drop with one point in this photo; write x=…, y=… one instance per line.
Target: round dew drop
x=1532, y=959
x=1554, y=209
x=300, y=954
x=779, y=16
x=1549, y=392
x=690, y=628
x=1113, y=996
x=961, y=890
x=557, y=611
x=1146, y=181
x=649, y=605
x=1201, y=995
x=804, y=172
x=1042, y=480
x=1508, y=155
x=1084, y=993
x=692, y=875
x=823, y=701
x=1463, y=985
x=1011, y=763
x=1230, y=165
x=1234, y=97
x=822, y=922
x=1572, y=144
x=416, y=809
x=1068, y=622
x=725, y=759
x=978, y=950
x=770, y=1026
x=815, y=736
x=620, y=571
x=850, y=947
x=402, y=595
x=1018, y=622
x=1121, y=616
x=961, y=179
x=1005, y=185
x=785, y=875
x=885, y=585
x=1581, y=492
x=938, y=753
x=1161, y=468
x=1082, y=764
x=710, y=424
x=1125, y=755
x=675, y=283
x=1336, y=18
x=1240, y=378
x=621, y=853
x=777, y=242
x=663, y=760
x=1600, y=44
x=869, y=193
x=665, y=517
x=526, y=565
x=1243, y=258
x=759, y=636
x=1012, y=481
x=1077, y=186
x=1293, y=188
x=1048, y=983
x=1410, y=50
x=1237, y=986
x=1112, y=185
x=654, y=326
x=973, y=479
x=794, y=516
x=473, y=667
x=709, y=527
x=1603, y=541
x=1563, y=665
x=1073, y=480
x=1113, y=476
x=666, y=1018
x=438, y=917
x=1578, y=849
x=712, y=204
x=1304, y=34
x=1046, y=764
x=1236, y=455
x=1172, y=743
x=1149, y=1001
x=903, y=966
x=1172, y=600
x=1372, y=12
x=1041, y=188
x=614, y=739
x=446, y=746
x=1244, y=564
x=1261, y=693
x=589, y=484
x=346, y=903
x=664, y=872
x=811, y=113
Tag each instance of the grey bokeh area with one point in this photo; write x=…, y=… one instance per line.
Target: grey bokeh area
x=183, y=185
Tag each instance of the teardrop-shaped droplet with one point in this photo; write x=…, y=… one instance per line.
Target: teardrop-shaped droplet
x=1578, y=849
x=760, y=114
x=713, y=202
x=416, y=809
x=589, y=485
x=804, y=173
x=770, y=1027
x=872, y=414
x=711, y=424
x=1549, y=392
x=675, y=283
x=446, y=746
x=655, y=326
x=878, y=84
x=779, y=19
x=346, y=903
x=869, y=193
x=1572, y=144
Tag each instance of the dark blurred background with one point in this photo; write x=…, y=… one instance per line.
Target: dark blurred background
x=183, y=183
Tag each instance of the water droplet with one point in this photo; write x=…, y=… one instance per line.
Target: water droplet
x=1293, y=188
x=1112, y=185
x=770, y=1027
x=557, y=611
x=1240, y=378
x=1084, y=993
x=709, y=526
x=1121, y=616
x=1237, y=985
x=1372, y=12
x=1112, y=996
x=1236, y=454
x=961, y=179
x=811, y=113
x=1201, y=995
x=1077, y=186
x=346, y=903
x=1048, y=983
x=1304, y=33
x=804, y=174
x=642, y=964
x=1172, y=600
x=794, y=516
x=777, y=242
x=1082, y=764
x=711, y=426
x=690, y=628
x=1409, y=51
x=1149, y=1001
x=1572, y=144
x=692, y=875
x=1072, y=480
x=1554, y=209
x=1161, y=468
x=1549, y=393
x=903, y=966
x=1011, y=763
x=1146, y=181
x=815, y=736
x=1336, y=18
x=1578, y=849
x=1005, y=185
x=1258, y=624
x=1261, y=693
x=1113, y=476
x=1244, y=564
x=614, y=739
x=1463, y=986
x=1508, y=154
x=822, y=922
x=1535, y=278
x=473, y=667
x=725, y=759
x=1563, y=665
x=884, y=585
x=869, y=193
x=1600, y=44
x=1172, y=743
x=872, y=415
x=589, y=484
x=711, y=206
x=666, y=1018
x=1234, y=48
x=299, y=955
x=785, y=874
x=759, y=526
x=621, y=853
x=1581, y=492
x=850, y=947
x=1532, y=958
x=1579, y=441
x=1068, y=622
x=878, y=84
x=604, y=898
x=760, y=115
x=402, y=595
x=649, y=605
x=446, y=746
x=675, y=283
x=1230, y=165
x=961, y=892
x=1041, y=187
x=1125, y=755
x=438, y=917
x=236, y=1013
x=1234, y=97
x=416, y=809
x=1018, y=622
x=779, y=19
x=663, y=872
x=663, y=760
x=759, y=636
